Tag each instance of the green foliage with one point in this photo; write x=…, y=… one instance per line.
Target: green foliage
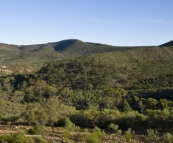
x=10, y=109
x=40, y=140
x=128, y=134
x=4, y=138
x=16, y=138
x=152, y=134
x=167, y=137
x=54, y=111
x=37, y=130
x=1, y=117
x=94, y=137
x=79, y=136
x=113, y=127
x=155, y=117
x=66, y=134
x=126, y=106
x=97, y=129
x=69, y=126
x=35, y=114
x=119, y=132
x=166, y=103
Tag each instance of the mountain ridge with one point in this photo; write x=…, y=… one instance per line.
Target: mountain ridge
x=72, y=48
x=69, y=46
x=170, y=43
x=32, y=57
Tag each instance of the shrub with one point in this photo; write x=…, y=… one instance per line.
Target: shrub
x=78, y=136
x=40, y=140
x=18, y=138
x=3, y=138
x=94, y=137
x=128, y=134
x=66, y=134
x=152, y=133
x=91, y=137
x=113, y=127
x=96, y=129
x=37, y=130
x=69, y=126
x=119, y=132
x=9, y=123
x=168, y=137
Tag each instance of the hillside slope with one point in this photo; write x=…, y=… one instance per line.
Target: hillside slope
x=70, y=47
x=73, y=47
x=170, y=43
x=32, y=57
x=9, y=50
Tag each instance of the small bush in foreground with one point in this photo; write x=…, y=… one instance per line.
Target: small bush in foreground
x=94, y=137
x=3, y=138
x=168, y=137
x=114, y=128
x=16, y=138
x=152, y=134
x=40, y=140
x=37, y=130
x=69, y=126
x=128, y=134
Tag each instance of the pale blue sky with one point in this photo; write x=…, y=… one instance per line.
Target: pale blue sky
x=113, y=22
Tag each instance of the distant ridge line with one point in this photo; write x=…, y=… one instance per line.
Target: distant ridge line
x=170, y=43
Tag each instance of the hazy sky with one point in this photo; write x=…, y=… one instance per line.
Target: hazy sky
x=114, y=22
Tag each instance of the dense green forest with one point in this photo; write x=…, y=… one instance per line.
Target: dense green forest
x=118, y=90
